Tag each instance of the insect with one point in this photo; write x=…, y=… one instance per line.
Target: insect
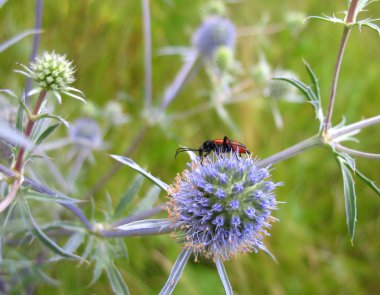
x=224, y=145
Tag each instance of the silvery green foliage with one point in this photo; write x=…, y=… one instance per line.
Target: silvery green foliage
x=223, y=206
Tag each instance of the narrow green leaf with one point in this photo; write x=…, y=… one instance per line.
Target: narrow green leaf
x=370, y=183
x=17, y=38
x=41, y=197
x=305, y=89
x=134, y=166
x=331, y=19
x=371, y=25
x=116, y=280
x=128, y=196
x=349, y=161
x=176, y=272
x=97, y=272
x=312, y=93
x=314, y=80
x=46, y=133
x=349, y=197
x=160, y=224
x=87, y=251
x=39, y=234
x=55, y=117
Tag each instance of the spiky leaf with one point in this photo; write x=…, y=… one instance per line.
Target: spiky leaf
x=349, y=197
x=134, y=166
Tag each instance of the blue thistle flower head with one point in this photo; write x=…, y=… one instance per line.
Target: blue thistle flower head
x=222, y=207
x=85, y=132
x=214, y=32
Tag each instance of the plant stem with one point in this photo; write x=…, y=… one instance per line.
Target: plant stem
x=136, y=232
x=343, y=42
x=188, y=69
x=18, y=166
x=355, y=126
x=159, y=208
x=351, y=12
x=357, y=153
x=11, y=195
x=292, y=151
x=29, y=129
x=147, y=54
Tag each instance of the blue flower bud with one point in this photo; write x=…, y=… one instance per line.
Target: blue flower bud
x=213, y=33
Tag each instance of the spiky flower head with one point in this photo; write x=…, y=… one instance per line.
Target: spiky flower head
x=222, y=207
x=214, y=32
x=52, y=72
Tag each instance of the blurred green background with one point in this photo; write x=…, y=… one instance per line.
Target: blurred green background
x=311, y=243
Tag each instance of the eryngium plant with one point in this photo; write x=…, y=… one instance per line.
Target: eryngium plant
x=214, y=32
x=52, y=72
x=222, y=207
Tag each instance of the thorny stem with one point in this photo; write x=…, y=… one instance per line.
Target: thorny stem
x=342, y=46
x=355, y=126
x=11, y=195
x=292, y=151
x=29, y=129
x=183, y=76
x=136, y=232
x=318, y=140
x=351, y=12
x=343, y=42
x=357, y=153
x=19, y=161
x=147, y=54
x=139, y=216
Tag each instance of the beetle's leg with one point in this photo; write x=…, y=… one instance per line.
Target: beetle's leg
x=227, y=144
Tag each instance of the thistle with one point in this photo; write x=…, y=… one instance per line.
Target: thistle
x=214, y=32
x=52, y=72
x=222, y=207
x=86, y=132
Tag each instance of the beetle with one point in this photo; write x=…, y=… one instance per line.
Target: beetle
x=218, y=146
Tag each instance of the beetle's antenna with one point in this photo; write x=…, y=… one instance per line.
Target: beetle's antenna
x=180, y=150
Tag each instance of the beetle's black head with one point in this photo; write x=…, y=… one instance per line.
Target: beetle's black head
x=206, y=148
